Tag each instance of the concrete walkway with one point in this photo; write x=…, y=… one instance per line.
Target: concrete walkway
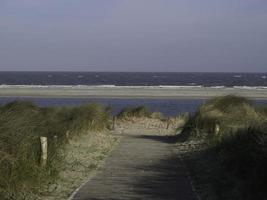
x=143, y=166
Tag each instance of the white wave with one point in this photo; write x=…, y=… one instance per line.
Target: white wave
x=218, y=87
x=237, y=76
x=95, y=86
x=250, y=87
x=125, y=87
x=104, y=86
x=180, y=86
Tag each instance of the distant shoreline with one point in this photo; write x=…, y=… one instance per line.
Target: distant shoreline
x=175, y=92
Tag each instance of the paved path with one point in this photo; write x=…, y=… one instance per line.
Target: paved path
x=141, y=167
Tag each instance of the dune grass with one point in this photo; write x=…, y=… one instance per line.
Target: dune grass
x=227, y=114
x=139, y=112
x=130, y=112
x=21, y=125
x=234, y=161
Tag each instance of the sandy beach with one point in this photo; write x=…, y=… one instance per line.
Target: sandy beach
x=131, y=91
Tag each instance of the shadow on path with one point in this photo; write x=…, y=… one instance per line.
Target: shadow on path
x=160, y=138
x=142, y=167
x=166, y=180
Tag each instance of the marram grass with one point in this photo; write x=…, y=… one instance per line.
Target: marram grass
x=21, y=125
x=229, y=113
x=233, y=165
x=129, y=112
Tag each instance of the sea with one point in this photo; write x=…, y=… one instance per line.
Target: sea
x=169, y=107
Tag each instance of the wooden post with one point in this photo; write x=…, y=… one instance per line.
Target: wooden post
x=55, y=138
x=114, y=122
x=168, y=123
x=68, y=136
x=217, y=129
x=43, y=150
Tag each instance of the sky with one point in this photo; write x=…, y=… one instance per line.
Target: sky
x=133, y=35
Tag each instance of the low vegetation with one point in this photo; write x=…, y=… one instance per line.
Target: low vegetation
x=229, y=163
x=21, y=125
x=130, y=112
x=232, y=164
x=226, y=114
x=139, y=112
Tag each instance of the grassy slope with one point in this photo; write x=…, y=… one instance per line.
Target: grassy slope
x=83, y=155
x=229, y=163
x=21, y=125
x=70, y=156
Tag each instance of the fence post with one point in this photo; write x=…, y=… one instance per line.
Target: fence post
x=43, y=150
x=68, y=136
x=168, y=123
x=114, y=122
x=217, y=129
x=55, y=138
x=147, y=124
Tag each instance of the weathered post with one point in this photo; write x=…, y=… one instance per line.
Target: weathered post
x=43, y=141
x=168, y=123
x=68, y=136
x=147, y=124
x=217, y=129
x=55, y=139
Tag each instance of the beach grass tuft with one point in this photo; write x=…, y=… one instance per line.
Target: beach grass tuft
x=222, y=115
x=130, y=112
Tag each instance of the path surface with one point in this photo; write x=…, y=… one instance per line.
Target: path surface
x=143, y=166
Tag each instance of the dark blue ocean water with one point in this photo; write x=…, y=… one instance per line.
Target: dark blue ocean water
x=133, y=79
x=169, y=107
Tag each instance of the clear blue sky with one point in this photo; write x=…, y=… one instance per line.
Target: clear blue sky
x=133, y=35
